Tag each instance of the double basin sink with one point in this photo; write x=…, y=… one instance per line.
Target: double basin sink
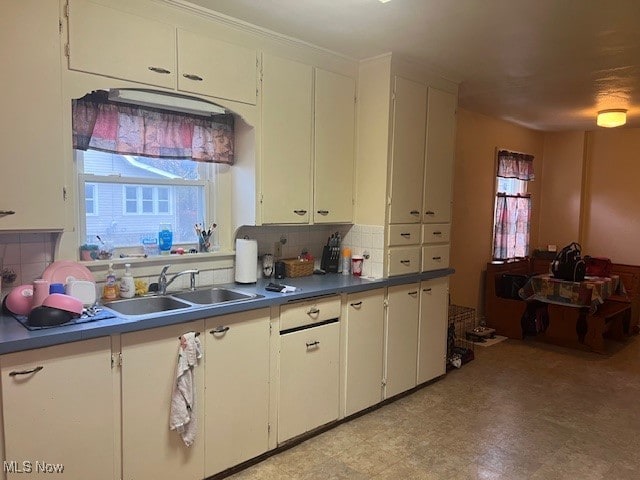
x=178, y=301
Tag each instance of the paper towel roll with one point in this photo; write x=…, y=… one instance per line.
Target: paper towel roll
x=246, y=260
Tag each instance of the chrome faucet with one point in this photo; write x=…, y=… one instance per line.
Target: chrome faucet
x=163, y=283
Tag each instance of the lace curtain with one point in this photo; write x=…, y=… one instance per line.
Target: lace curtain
x=99, y=124
x=512, y=221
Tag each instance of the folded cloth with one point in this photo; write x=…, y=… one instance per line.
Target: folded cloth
x=182, y=416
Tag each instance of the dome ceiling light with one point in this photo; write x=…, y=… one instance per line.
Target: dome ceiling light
x=612, y=118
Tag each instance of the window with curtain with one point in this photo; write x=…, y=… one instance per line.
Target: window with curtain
x=141, y=166
x=512, y=212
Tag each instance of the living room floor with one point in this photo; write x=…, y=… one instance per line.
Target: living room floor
x=520, y=410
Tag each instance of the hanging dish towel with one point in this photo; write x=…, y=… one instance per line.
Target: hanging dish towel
x=183, y=399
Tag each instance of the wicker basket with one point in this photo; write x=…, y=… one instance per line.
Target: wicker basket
x=294, y=267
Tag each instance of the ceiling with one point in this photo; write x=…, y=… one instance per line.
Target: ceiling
x=543, y=64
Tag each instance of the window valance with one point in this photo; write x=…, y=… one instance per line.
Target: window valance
x=101, y=124
x=515, y=165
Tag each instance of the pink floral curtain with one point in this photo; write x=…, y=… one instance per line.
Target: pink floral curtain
x=131, y=130
x=515, y=165
x=512, y=226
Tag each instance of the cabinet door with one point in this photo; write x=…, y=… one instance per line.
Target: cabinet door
x=401, y=338
x=117, y=44
x=309, y=379
x=440, y=146
x=32, y=179
x=364, y=347
x=334, y=131
x=237, y=389
x=286, y=141
x=432, y=339
x=63, y=412
x=218, y=69
x=407, y=160
x=149, y=448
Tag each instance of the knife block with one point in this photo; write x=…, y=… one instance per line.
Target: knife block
x=330, y=259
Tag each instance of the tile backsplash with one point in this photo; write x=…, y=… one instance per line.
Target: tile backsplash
x=25, y=255
x=361, y=239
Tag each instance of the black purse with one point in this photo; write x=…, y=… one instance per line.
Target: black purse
x=568, y=264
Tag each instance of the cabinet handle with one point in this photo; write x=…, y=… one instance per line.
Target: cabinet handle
x=313, y=311
x=415, y=292
x=437, y=233
x=426, y=290
x=191, y=76
x=7, y=212
x=414, y=212
x=436, y=258
x=300, y=212
x=26, y=372
x=313, y=344
x=159, y=70
x=219, y=329
x=429, y=212
x=405, y=262
x=323, y=212
x=356, y=305
x=406, y=235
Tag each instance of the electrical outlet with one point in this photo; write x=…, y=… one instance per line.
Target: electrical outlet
x=277, y=249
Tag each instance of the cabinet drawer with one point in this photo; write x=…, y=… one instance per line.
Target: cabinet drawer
x=308, y=312
x=404, y=234
x=436, y=233
x=403, y=260
x=435, y=257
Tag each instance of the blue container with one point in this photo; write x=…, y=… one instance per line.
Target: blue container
x=165, y=238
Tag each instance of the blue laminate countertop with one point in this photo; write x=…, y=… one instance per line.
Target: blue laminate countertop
x=14, y=337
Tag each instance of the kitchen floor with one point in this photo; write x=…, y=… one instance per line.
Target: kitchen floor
x=520, y=410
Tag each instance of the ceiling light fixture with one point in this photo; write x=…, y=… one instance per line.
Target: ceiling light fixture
x=384, y=1
x=164, y=100
x=612, y=118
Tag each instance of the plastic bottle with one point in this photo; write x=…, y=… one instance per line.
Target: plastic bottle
x=127, y=284
x=346, y=260
x=110, y=290
x=165, y=238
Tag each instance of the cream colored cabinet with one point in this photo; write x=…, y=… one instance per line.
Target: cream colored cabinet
x=364, y=350
x=237, y=389
x=403, y=260
x=285, y=171
x=435, y=246
x=334, y=134
x=32, y=182
x=58, y=408
x=210, y=67
x=401, y=338
x=309, y=379
x=149, y=448
x=432, y=337
x=409, y=117
x=101, y=41
x=439, y=151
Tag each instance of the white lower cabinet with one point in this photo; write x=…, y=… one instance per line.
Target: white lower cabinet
x=237, y=389
x=58, y=408
x=149, y=449
x=309, y=379
x=432, y=338
x=401, y=338
x=364, y=348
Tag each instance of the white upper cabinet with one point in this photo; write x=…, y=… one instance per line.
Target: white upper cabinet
x=440, y=145
x=285, y=171
x=117, y=44
x=334, y=127
x=32, y=179
x=409, y=117
x=219, y=69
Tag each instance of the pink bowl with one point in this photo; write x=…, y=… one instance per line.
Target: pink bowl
x=20, y=299
x=63, y=302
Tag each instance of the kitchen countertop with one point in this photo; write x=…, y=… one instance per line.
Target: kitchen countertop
x=14, y=337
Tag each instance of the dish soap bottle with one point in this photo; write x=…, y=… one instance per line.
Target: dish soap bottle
x=110, y=290
x=127, y=284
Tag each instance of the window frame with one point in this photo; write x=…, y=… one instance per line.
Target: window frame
x=523, y=192
x=209, y=182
